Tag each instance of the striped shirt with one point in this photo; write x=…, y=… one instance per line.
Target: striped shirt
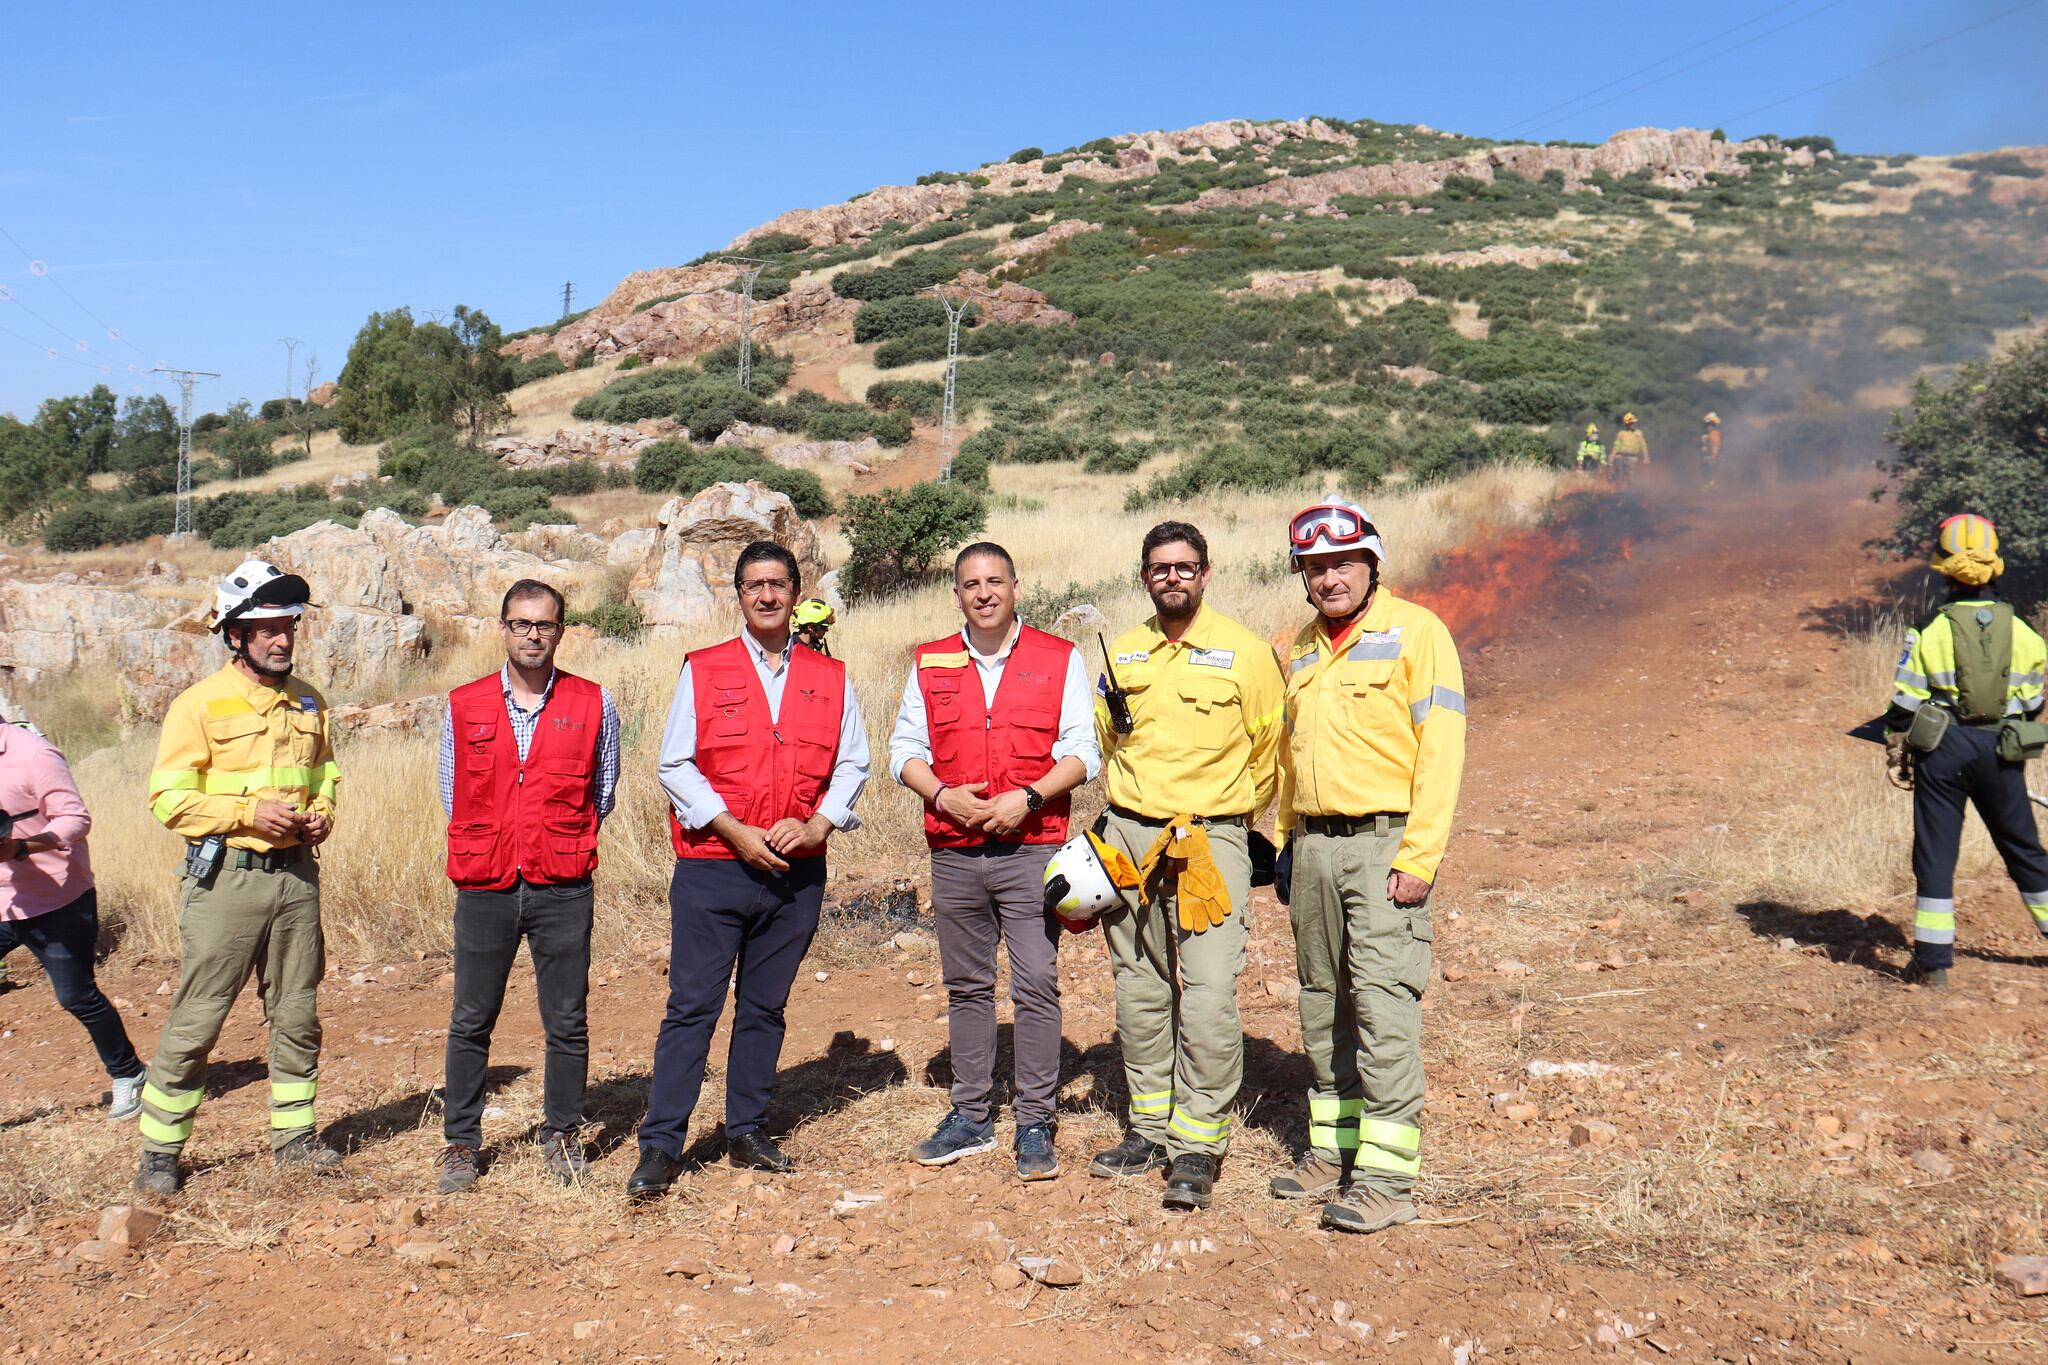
x=604, y=781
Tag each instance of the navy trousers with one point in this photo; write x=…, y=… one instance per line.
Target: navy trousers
x=724, y=914
x=1966, y=769
x=63, y=942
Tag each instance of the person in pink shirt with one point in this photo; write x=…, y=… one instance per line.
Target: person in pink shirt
x=47, y=901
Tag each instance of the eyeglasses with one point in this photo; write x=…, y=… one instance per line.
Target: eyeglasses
x=761, y=585
x=1158, y=573
x=545, y=630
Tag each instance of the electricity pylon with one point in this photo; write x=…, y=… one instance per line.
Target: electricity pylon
x=750, y=271
x=947, y=294
x=182, y=521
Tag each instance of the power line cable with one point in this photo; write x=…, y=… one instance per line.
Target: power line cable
x=52, y=352
x=1694, y=66
x=1690, y=48
x=113, y=333
x=1882, y=61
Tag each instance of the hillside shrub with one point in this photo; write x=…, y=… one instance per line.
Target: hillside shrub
x=918, y=397
x=971, y=471
x=775, y=244
x=679, y=467
x=910, y=350
x=901, y=315
x=898, y=533
x=1024, y=154
x=546, y=365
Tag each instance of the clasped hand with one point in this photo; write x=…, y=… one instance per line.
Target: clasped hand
x=995, y=815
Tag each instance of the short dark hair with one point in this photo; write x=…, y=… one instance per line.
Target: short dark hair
x=527, y=588
x=1171, y=532
x=984, y=547
x=760, y=550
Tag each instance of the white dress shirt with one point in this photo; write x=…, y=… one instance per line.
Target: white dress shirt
x=689, y=791
x=911, y=736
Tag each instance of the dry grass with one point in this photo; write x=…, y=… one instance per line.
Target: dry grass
x=386, y=896
x=331, y=456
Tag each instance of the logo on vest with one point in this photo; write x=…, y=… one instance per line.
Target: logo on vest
x=1212, y=658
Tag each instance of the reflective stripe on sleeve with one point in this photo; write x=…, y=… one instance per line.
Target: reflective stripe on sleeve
x=174, y=780
x=1438, y=696
x=219, y=783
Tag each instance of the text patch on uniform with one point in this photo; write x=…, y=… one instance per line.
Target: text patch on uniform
x=1212, y=658
x=1136, y=656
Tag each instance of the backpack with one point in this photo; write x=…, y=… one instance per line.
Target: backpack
x=1981, y=633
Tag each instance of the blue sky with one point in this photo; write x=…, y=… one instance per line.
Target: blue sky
x=208, y=179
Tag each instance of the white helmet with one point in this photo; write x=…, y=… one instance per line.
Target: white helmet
x=1332, y=525
x=258, y=591
x=1077, y=882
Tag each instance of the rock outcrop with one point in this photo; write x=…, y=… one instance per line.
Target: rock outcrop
x=859, y=456
x=460, y=567
x=1009, y=302
x=1500, y=253
x=689, y=326
x=856, y=220
x=686, y=578
x=615, y=445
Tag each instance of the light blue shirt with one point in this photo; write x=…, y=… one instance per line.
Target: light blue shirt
x=690, y=792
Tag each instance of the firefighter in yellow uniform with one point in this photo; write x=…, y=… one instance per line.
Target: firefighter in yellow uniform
x=1591, y=456
x=1187, y=780
x=1631, y=452
x=245, y=772
x=1376, y=748
x=1975, y=666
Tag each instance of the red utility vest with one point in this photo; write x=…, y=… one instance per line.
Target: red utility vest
x=764, y=768
x=536, y=819
x=1008, y=745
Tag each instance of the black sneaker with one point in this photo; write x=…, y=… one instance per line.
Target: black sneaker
x=458, y=1167
x=955, y=1137
x=1135, y=1155
x=562, y=1154
x=304, y=1153
x=158, y=1173
x=1191, y=1182
x=1036, y=1159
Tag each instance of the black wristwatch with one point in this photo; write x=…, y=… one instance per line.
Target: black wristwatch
x=1033, y=801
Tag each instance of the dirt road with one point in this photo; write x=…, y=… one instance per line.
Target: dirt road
x=1663, y=1123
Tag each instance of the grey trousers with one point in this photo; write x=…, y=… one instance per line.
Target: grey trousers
x=978, y=896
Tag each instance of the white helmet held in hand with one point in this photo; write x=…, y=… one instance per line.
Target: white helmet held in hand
x=1077, y=882
x=258, y=591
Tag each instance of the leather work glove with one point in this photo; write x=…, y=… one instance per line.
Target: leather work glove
x=1202, y=901
x=1283, y=874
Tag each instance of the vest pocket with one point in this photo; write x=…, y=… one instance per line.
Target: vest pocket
x=1032, y=731
x=568, y=849
x=472, y=850
x=1215, y=719
x=814, y=756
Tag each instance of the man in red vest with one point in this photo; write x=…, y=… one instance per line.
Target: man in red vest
x=529, y=765
x=764, y=756
x=995, y=730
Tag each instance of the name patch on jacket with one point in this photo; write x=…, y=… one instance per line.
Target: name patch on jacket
x=1135, y=656
x=1212, y=658
x=1377, y=644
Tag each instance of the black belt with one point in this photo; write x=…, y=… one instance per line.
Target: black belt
x=1344, y=826
x=256, y=860
x=1124, y=814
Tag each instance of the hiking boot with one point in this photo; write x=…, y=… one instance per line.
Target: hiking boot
x=303, y=1153
x=1361, y=1208
x=562, y=1154
x=126, y=1100
x=158, y=1173
x=1036, y=1159
x=1190, y=1182
x=653, y=1176
x=955, y=1137
x=458, y=1167
x=1318, y=1175
x=1927, y=978
x=1135, y=1155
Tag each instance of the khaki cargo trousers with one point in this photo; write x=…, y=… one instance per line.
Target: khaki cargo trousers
x=1363, y=962
x=239, y=921
x=1182, y=1041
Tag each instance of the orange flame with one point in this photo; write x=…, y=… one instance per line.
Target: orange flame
x=1478, y=589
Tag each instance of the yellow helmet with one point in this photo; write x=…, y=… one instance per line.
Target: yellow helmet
x=813, y=611
x=1713, y=419
x=1628, y=419
x=1966, y=531
x=1968, y=550
x=1592, y=429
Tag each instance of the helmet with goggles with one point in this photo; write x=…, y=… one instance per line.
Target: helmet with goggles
x=1332, y=527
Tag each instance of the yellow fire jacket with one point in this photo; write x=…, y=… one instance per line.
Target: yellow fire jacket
x=228, y=743
x=1206, y=712
x=1630, y=445
x=1376, y=726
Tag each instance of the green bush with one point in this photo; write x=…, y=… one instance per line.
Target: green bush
x=917, y=397
x=897, y=534
x=971, y=471
x=1024, y=154
x=1027, y=229
x=911, y=350
x=1042, y=447
x=901, y=315
x=514, y=507
x=613, y=620
x=679, y=467
x=775, y=244
x=1528, y=402
x=632, y=362
x=546, y=365
x=242, y=521
x=75, y=528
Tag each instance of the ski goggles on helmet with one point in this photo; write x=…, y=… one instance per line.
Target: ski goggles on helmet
x=1335, y=524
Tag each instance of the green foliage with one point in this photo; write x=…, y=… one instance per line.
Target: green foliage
x=632, y=362
x=899, y=315
x=400, y=374
x=1999, y=163
x=546, y=365
x=612, y=620
x=897, y=534
x=918, y=270
x=429, y=460
x=767, y=369
x=917, y=397
x=679, y=467
x=910, y=350
x=1894, y=180
x=1026, y=154
x=775, y=244
x=970, y=470
x=32, y=466
x=239, y=521
x=1978, y=445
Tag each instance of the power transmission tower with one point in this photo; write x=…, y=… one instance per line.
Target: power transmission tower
x=182, y=522
x=948, y=293
x=750, y=271
x=568, y=297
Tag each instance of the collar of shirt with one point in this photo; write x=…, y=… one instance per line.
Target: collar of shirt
x=262, y=697
x=774, y=663
x=511, y=703
x=1193, y=637
x=1374, y=617
x=1009, y=643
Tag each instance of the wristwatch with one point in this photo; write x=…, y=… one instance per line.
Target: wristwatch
x=1033, y=801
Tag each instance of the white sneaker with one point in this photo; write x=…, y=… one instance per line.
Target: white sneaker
x=127, y=1100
